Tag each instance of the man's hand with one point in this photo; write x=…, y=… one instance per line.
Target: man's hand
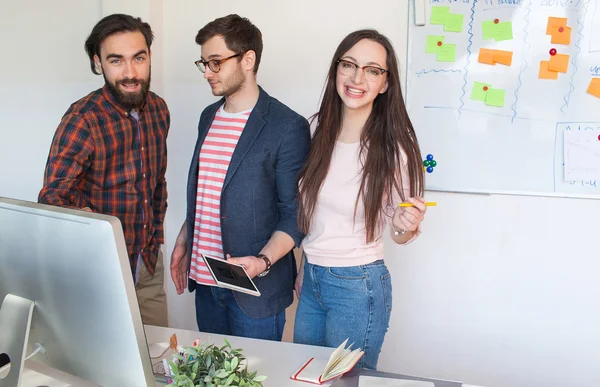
x=180, y=261
x=254, y=266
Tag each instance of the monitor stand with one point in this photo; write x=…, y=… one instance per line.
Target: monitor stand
x=15, y=321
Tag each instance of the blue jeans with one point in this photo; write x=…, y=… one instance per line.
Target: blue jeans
x=352, y=302
x=217, y=311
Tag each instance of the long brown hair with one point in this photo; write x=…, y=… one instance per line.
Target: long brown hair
x=387, y=132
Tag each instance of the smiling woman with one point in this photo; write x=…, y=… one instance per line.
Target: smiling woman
x=364, y=160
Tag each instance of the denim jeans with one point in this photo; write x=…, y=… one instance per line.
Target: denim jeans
x=352, y=302
x=217, y=311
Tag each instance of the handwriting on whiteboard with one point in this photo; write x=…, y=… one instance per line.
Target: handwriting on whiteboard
x=581, y=155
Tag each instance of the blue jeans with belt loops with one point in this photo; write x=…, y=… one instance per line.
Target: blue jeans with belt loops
x=352, y=302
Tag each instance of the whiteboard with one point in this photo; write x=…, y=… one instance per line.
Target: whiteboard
x=515, y=145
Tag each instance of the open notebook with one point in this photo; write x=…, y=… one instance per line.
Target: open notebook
x=321, y=371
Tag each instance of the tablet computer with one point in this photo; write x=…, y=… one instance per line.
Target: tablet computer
x=231, y=276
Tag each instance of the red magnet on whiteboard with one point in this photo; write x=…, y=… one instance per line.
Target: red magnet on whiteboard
x=599, y=137
x=553, y=51
x=485, y=88
x=439, y=44
x=561, y=29
x=496, y=21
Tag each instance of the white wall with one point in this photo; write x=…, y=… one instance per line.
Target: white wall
x=498, y=291
x=42, y=71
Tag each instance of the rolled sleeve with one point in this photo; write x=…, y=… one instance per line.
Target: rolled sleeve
x=290, y=160
x=69, y=158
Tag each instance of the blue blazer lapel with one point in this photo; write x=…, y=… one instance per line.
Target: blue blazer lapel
x=251, y=131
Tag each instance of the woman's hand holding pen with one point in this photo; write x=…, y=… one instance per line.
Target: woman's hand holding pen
x=409, y=218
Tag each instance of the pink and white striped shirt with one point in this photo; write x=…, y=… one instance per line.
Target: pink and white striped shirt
x=215, y=156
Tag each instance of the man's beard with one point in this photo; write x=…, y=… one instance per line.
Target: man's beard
x=129, y=100
x=232, y=86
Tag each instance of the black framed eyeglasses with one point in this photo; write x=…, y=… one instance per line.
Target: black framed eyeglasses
x=214, y=64
x=371, y=73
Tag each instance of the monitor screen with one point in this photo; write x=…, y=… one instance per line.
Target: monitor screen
x=74, y=266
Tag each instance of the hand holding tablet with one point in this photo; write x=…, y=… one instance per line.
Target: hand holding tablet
x=231, y=276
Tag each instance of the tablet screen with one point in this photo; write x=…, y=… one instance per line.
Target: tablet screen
x=229, y=273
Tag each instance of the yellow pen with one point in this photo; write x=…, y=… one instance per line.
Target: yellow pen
x=428, y=204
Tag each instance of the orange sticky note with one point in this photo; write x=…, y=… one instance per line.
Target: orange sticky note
x=545, y=73
x=503, y=57
x=559, y=62
x=555, y=22
x=561, y=35
x=594, y=87
x=486, y=56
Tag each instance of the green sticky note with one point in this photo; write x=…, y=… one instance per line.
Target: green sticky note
x=503, y=31
x=454, y=22
x=439, y=14
x=478, y=93
x=431, y=47
x=495, y=97
x=447, y=53
x=488, y=28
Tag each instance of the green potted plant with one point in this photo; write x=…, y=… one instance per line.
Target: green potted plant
x=207, y=365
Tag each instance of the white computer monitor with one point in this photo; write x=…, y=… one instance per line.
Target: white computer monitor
x=74, y=266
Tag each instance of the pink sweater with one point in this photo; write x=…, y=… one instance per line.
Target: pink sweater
x=335, y=239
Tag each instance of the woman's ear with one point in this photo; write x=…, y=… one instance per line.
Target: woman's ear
x=384, y=87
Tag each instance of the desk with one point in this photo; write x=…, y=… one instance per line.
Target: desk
x=277, y=360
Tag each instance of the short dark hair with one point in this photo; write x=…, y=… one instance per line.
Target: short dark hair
x=114, y=24
x=239, y=33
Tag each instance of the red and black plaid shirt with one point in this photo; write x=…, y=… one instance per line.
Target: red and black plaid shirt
x=103, y=158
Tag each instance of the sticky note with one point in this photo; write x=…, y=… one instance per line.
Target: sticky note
x=486, y=56
x=454, y=22
x=561, y=37
x=432, y=44
x=491, y=57
x=479, y=92
x=555, y=22
x=447, y=53
x=545, y=73
x=495, y=97
x=559, y=63
x=488, y=29
x=498, y=31
x=503, y=57
x=503, y=31
x=594, y=87
x=439, y=15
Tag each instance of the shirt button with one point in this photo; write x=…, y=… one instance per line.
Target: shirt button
x=142, y=149
x=146, y=201
x=145, y=226
x=144, y=175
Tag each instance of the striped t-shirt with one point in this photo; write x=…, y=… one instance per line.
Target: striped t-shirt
x=215, y=156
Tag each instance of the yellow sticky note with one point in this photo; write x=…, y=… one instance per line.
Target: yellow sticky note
x=594, y=87
x=559, y=63
x=503, y=57
x=545, y=73
x=555, y=22
x=561, y=35
x=486, y=56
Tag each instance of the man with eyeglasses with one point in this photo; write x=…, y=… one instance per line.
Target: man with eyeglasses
x=242, y=189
